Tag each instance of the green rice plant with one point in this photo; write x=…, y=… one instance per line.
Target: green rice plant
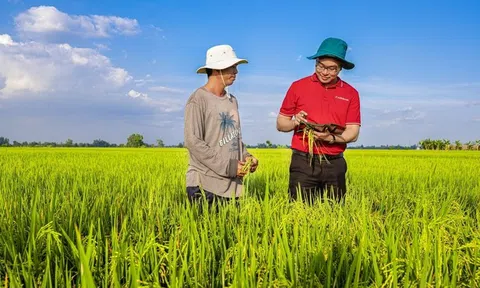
x=118, y=217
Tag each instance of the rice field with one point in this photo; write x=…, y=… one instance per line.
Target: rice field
x=119, y=218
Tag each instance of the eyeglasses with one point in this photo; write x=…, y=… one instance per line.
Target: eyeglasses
x=330, y=69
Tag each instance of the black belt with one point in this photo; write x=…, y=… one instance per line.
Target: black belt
x=329, y=157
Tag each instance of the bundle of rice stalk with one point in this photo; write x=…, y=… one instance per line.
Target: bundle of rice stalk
x=308, y=133
x=248, y=164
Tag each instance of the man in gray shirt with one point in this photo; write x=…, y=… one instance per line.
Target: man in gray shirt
x=212, y=132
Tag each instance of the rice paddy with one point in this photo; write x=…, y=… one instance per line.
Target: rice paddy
x=119, y=218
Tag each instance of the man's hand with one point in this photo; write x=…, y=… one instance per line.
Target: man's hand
x=240, y=172
x=254, y=165
x=349, y=135
x=300, y=117
x=287, y=124
x=322, y=136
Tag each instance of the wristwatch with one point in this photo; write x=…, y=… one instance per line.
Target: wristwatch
x=333, y=139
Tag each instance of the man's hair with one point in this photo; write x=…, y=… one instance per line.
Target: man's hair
x=209, y=72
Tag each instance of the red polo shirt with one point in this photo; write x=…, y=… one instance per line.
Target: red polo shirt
x=339, y=104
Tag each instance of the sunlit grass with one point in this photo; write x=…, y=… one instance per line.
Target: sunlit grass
x=119, y=217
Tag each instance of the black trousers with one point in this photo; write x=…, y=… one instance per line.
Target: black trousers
x=314, y=178
x=195, y=195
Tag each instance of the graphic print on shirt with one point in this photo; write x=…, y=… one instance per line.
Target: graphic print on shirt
x=229, y=127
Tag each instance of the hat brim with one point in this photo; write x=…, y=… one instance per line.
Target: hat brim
x=345, y=64
x=221, y=65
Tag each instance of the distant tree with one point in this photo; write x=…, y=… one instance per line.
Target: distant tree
x=180, y=145
x=160, y=143
x=458, y=145
x=470, y=145
x=100, y=143
x=4, y=141
x=69, y=142
x=446, y=144
x=269, y=143
x=424, y=144
x=135, y=140
x=438, y=144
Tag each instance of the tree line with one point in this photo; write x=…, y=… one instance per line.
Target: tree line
x=134, y=140
x=137, y=140
x=445, y=144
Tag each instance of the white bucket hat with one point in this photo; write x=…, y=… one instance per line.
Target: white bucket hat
x=220, y=57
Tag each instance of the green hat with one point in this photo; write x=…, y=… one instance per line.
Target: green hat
x=336, y=48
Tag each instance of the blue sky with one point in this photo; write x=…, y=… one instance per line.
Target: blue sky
x=105, y=69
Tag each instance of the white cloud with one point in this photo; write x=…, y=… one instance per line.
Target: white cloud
x=48, y=19
x=399, y=116
x=474, y=103
x=6, y=40
x=141, y=82
x=101, y=46
x=378, y=106
x=379, y=86
x=165, y=89
x=134, y=94
x=272, y=115
x=155, y=28
x=2, y=82
x=37, y=67
x=163, y=104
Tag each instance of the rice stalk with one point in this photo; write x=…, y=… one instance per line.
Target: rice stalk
x=308, y=133
x=118, y=217
x=248, y=165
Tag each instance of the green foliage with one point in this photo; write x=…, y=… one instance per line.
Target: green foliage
x=445, y=144
x=4, y=141
x=135, y=140
x=84, y=218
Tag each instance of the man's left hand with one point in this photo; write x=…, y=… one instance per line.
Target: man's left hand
x=322, y=136
x=254, y=163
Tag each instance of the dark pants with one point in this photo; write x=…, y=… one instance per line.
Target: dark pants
x=318, y=177
x=195, y=195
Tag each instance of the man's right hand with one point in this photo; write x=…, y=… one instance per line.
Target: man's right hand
x=299, y=117
x=240, y=173
x=287, y=123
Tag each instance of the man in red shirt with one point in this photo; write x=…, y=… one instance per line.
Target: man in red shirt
x=321, y=98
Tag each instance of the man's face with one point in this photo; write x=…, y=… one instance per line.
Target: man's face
x=327, y=69
x=229, y=75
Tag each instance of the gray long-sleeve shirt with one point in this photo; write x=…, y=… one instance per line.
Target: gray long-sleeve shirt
x=213, y=138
